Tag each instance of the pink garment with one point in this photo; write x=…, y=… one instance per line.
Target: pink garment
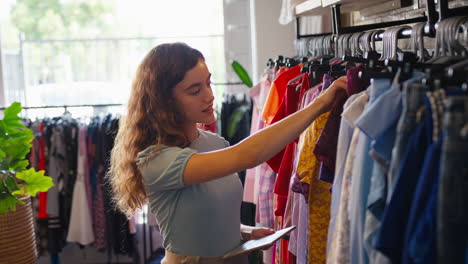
x=265, y=207
x=308, y=97
x=132, y=225
x=258, y=94
x=298, y=240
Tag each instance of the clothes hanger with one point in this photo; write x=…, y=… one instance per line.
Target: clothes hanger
x=373, y=63
x=456, y=74
x=404, y=62
x=417, y=33
x=365, y=41
x=445, y=34
x=328, y=45
x=350, y=49
x=356, y=50
x=454, y=45
x=396, y=33
x=444, y=54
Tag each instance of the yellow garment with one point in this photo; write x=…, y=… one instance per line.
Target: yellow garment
x=308, y=166
x=319, y=219
x=319, y=196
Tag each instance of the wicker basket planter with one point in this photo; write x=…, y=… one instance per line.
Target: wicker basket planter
x=17, y=237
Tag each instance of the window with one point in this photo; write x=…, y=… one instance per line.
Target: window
x=86, y=52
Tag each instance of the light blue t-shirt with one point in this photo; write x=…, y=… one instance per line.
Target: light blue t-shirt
x=195, y=220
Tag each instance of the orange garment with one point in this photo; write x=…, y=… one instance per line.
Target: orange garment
x=277, y=90
x=319, y=196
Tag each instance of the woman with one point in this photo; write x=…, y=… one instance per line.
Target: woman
x=188, y=176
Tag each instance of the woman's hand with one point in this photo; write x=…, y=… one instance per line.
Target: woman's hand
x=251, y=232
x=259, y=232
x=328, y=97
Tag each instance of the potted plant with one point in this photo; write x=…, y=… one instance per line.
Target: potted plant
x=17, y=185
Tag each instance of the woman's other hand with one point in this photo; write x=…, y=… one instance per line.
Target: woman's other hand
x=329, y=96
x=259, y=232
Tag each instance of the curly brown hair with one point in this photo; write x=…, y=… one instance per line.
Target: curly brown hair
x=152, y=119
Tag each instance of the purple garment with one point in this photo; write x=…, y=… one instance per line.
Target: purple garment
x=325, y=148
x=327, y=81
x=300, y=187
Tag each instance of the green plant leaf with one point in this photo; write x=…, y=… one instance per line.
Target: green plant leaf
x=11, y=119
x=15, y=139
x=35, y=181
x=19, y=165
x=242, y=73
x=16, y=150
x=9, y=203
x=235, y=119
x=7, y=199
x=11, y=184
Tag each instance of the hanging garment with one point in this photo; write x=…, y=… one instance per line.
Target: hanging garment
x=339, y=249
x=288, y=11
x=344, y=139
x=288, y=106
x=362, y=171
x=390, y=237
x=297, y=185
x=452, y=216
x=419, y=240
x=239, y=111
x=70, y=134
x=57, y=169
x=81, y=226
x=277, y=90
x=388, y=109
x=258, y=94
x=96, y=170
x=326, y=147
x=319, y=196
x=118, y=237
x=412, y=100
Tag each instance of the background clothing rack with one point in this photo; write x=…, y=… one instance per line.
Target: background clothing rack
x=65, y=106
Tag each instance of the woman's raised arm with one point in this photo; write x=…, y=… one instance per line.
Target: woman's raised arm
x=262, y=145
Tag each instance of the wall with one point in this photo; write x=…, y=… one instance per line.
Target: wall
x=237, y=37
x=269, y=38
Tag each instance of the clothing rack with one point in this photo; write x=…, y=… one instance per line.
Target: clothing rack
x=431, y=17
x=103, y=105
x=65, y=106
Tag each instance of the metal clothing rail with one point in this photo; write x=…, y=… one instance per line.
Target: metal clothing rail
x=431, y=16
x=103, y=105
x=66, y=106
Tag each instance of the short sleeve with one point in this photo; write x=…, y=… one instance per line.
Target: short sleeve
x=225, y=142
x=164, y=170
